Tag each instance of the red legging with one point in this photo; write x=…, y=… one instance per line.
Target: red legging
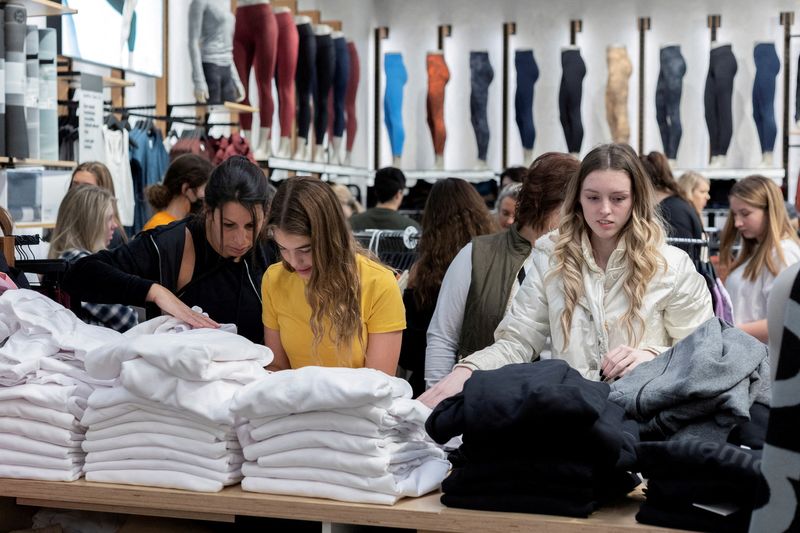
x=350, y=97
x=255, y=45
x=288, y=43
x=438, y=76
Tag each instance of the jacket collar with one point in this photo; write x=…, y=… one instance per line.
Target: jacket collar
x=615, y=262
x=518, y=243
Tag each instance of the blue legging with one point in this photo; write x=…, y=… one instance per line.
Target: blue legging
x=396, y=78
x=481, y=76
x=527, y=74
x=767, y=67
x=668, y=99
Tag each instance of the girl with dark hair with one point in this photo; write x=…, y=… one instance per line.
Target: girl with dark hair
x=212, y=260
x=327, y=303
x=454, y=214
x=181, y=192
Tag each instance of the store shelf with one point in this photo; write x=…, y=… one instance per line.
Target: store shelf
x=309, y=167
x=15, y=162
x=44, y=8
x=108, y=81
x=240, y=108
x=775, y=174
x=44, y=224
x=468, y=175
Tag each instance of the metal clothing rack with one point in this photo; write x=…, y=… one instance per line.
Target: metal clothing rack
x=703, y=243
x=395, y=248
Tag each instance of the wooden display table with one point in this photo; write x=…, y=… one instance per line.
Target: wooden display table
x=424, y=514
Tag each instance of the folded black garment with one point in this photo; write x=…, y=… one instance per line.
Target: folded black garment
x=693, y=518
x=752, y=433
x=697, y=459
x=546, y=394
x=520, y=503
x=693, y=490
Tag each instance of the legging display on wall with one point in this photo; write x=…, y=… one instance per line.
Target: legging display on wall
x=16, y=143
x=286, y=70
x=481, y=76
x=48, y=95
x=306, y=64
x=341, y=77
x=350, y=98
x=668, y=98
x=396, y=78
x=2, y=83
x=438, y=76
x=326, y=68
x=527, y=74
x=32, y=89
x=619, y=72
x=718, y=95
x=767, y=67
x=570, y=94
x=255, y=46
x=214, y=75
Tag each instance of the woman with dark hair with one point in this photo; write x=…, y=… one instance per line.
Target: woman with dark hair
x=213, y=260
x=482, y=280
x=326, y=303
x=454, y=214
x=181, y=192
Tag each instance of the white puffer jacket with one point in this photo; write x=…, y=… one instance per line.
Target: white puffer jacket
x=676, y=302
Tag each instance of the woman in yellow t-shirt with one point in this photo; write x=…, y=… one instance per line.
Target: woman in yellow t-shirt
x=327, y=303
x=181, y=192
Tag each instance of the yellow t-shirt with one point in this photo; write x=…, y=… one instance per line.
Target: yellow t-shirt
x=162, y=218
x=286, y=310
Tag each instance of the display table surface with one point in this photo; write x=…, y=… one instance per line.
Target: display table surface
x=423, y=514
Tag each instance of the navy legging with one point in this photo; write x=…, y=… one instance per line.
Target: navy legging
x=569, y=98
x=767, y=67
x=718, y=95
x=481, y=76
x=306, y=64
x=527, y=74
x=340, y=78
x=326, y=67
x=396, y=78
x=668, y=99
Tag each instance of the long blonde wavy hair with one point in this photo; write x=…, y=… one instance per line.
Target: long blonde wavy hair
x=759, y=193
x=81, y=223
x=309, y=207
x=643, y=235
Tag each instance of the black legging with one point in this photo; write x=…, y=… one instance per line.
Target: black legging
x=527, y=74
x=326, y=66
x=306, y=64
x=668, y=99
x=481, y=75
x=718, y=95
x=569, y=98
x=340, y=79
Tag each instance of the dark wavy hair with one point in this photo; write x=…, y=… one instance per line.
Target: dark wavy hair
x=454, y=214
x=656, y=165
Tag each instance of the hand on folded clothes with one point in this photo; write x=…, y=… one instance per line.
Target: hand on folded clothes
x=621, y=360
x=172, y=305
x=452, y=384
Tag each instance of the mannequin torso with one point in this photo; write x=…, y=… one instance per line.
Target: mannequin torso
x=670, y=45
x=302, y=19
x=243, y=3
x=570, y=47
x=322, y=29
x=719, y=44
x=337, y=35
x=279, y=10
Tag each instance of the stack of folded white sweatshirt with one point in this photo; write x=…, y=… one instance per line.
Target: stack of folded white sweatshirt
x=339, y=433
x=44, y=386
x=168, y=423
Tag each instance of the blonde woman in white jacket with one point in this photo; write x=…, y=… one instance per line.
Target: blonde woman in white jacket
x=606, y=288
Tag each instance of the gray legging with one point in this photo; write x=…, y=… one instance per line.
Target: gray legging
x=32, y=89
x=16, y=143
x=48, y=95
x=718, y=95
x=668, y=99
x=481, y=76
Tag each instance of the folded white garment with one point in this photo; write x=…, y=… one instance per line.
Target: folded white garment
x=226, y=478
x=26, y=444
x=199, y=349
x=207, y=399
x=402, y=411
x=314, y=388
x=143, y=415
x=335, y=441
x=167, y=479
x=421, y=480
x=42, y=474
x=348, y=462
x=14, y=373
x=69, y=399
x=132, y=428
x=159, y=324
x=73, y=369
x=27, y=410
x=213, y=450
x=10, y=457
x=326, y=421
x=227, y=463
x=39, y=431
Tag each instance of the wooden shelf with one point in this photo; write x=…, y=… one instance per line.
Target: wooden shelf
x=240, y=108
x=775, y=174
x=44, y=8
x=108, y=81
x=15, y=162
x=44, y=224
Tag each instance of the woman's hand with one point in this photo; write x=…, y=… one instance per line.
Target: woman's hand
x=171, y=304
x=621, y=360
x=452, y=384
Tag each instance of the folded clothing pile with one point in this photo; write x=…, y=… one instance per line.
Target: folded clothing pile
x=339, y=433
x=44, y=386
x=537, y=438
x=698, y=485
x=168, y=423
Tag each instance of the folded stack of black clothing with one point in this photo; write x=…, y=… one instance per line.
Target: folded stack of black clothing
x=537, y=438
x=698, y=485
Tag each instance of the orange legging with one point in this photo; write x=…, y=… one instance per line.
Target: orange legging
x=438, y=76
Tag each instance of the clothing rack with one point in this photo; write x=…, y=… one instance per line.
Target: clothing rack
x=395, y=248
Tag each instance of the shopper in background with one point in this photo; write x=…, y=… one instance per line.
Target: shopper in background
x=695, y=187
x=506, y=205
x=605, y=288
x=181, y=192
x=326, y=303
x=759, y=223
x=454, y=214
x=512, y=175
x=484, y=277
x=350, y=206
x=85, y=224
x=213, y=260
x=390, y=183
x=96, y=173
